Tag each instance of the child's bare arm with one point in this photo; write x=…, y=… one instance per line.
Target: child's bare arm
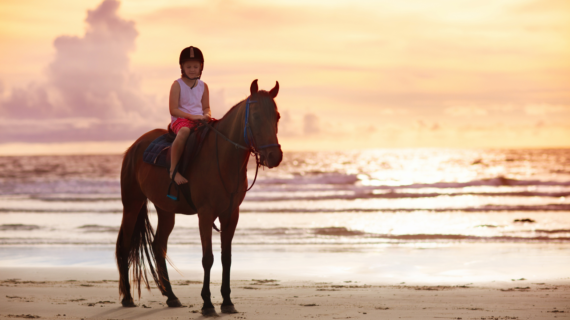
x=173, y=104
x=206, y=103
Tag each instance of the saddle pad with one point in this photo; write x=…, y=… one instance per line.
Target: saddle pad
x=158, y=152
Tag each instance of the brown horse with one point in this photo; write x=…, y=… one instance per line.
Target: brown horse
x=218, y=183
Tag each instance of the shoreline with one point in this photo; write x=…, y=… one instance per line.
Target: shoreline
x=426, y=263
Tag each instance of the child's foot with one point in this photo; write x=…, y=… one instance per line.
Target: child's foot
x=179, y=179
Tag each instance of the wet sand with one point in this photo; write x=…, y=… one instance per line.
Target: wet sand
x=30, y=293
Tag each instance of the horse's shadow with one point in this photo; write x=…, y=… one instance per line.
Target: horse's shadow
x=144, y=313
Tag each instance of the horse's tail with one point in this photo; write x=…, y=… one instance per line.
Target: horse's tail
x=140, y=250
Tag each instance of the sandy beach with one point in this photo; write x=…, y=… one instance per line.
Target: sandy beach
x=92, y=294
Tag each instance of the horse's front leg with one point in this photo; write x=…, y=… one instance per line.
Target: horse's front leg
x=206, y=220
x=228, y=229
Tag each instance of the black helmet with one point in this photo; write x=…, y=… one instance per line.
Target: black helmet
x=191, y=53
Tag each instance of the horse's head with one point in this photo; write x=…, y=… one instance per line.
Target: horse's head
x=263, y=120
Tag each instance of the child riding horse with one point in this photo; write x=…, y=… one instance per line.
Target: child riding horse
x=218, y=188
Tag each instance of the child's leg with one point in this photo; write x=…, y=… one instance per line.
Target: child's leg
x=177, y=147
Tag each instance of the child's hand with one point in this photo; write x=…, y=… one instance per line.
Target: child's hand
x=196, y=117
x=207, y=118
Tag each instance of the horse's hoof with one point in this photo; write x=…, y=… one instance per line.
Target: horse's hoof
x=229, y=309
x=209, y=312
x=128, y=303
x=174, y=303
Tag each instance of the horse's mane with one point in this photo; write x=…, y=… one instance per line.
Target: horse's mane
x=232, y=109
x=262, y=92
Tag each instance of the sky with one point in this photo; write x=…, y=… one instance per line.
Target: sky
x=95, y=75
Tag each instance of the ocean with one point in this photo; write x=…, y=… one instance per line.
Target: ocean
x=373, y=214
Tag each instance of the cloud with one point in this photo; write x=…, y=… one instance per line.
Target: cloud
x=543, y=109
x=465, y=111
x=27, y=103
x=287, y=126
x=311, y=124
x=392, y=111
x=218, y=103
x=90, y=93
x=510, y=109
x=543, y=7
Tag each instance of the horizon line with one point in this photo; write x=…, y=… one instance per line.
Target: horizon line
x=119, y=147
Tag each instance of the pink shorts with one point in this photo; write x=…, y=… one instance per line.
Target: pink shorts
x=181, y=123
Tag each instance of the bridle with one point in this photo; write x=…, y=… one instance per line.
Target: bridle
x=251, y=145
x=247, y=131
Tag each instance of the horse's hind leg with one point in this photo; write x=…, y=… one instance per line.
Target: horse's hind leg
x=131, y=211
x=227, y=235
x=159, y=246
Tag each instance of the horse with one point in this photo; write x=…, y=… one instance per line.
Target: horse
x=218, y=181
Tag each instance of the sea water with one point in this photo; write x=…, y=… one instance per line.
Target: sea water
x=377, y=215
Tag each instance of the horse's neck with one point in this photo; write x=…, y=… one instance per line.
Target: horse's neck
x=232, y=125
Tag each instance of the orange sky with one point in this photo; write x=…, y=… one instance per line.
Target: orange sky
x=353, y=74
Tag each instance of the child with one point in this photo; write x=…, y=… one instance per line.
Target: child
x=189, y=103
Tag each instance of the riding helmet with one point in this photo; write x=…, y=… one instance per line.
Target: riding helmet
x=191, y=53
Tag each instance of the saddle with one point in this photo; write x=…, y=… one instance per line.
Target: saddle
x=158, y=153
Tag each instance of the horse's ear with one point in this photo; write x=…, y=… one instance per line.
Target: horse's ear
x=254, y=88
x=273, y=92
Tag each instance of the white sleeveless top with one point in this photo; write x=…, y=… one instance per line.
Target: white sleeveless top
x=190, y=99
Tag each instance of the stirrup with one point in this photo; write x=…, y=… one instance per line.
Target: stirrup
x=177, y=191
x=172, y=181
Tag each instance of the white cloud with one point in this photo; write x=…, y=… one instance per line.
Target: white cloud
x=90, y=91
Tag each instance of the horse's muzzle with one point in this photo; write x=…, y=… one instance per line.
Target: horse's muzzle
x=271, y=157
